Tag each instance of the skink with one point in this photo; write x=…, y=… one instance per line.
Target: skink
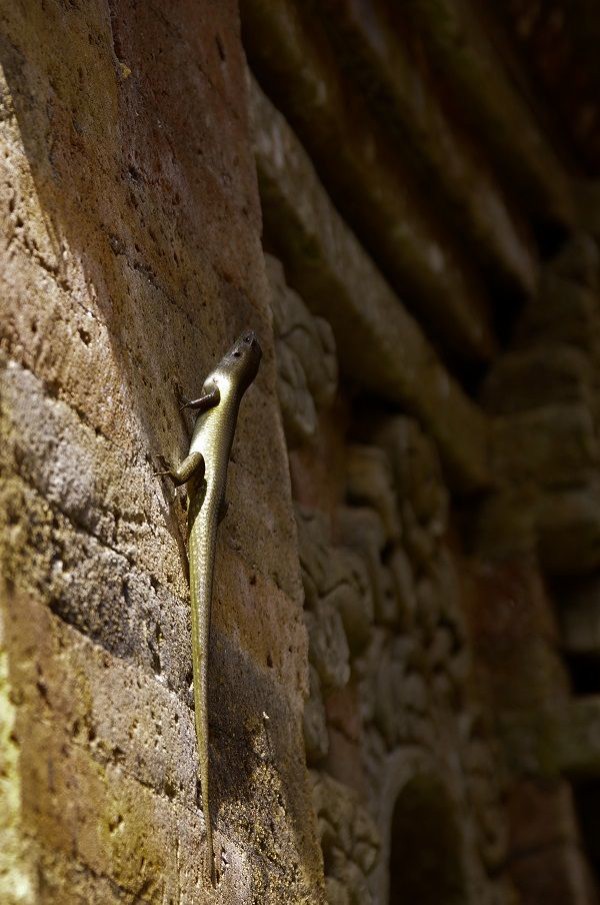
x=205, y=468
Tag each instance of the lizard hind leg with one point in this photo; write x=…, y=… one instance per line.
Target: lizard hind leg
x=191, y=467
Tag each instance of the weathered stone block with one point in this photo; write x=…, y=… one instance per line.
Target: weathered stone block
x=505, y=524
x=579, y=260
x=336, y=893
x=578, y=741
x=428, y=607
x=542, y=815
x=553, y=446
x=416, y=467
x=352, y=844
x=404, y=587
x=362, y=530
x=559, y=875
x=458, y=42
x=353, y=599
x=391, y=695
x=371, y=47
x=563, y=311
x=314, y=547
x=112, y=787
x=531, y=378
x=568, y=525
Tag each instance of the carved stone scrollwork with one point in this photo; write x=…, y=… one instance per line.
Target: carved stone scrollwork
x=388, y=653
x=484, y=791
x=422, y=496
x=349, y=840
x=306, y=358
x=370, y=481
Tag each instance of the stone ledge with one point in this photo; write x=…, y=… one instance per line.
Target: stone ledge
x=369, y=182
x=461, y=49
x=376, y=54
x=379, y=344
x=528, y=378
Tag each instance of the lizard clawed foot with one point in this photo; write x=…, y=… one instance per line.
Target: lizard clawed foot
x=182, y=400
x=161, y=474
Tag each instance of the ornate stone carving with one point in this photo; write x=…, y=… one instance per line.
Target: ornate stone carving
x=306, y=358
x=349, y=839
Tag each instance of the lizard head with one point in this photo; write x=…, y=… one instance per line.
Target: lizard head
x=243, y=359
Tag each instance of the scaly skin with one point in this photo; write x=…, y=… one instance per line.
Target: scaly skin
x=206, y=469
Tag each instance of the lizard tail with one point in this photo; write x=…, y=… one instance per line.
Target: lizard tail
x=202, y=547
x=200, y=708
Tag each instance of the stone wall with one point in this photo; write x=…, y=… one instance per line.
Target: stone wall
x=131, y=259
x=405, y=637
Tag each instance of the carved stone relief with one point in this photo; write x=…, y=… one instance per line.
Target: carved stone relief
x=306, y=359
x=389, y=665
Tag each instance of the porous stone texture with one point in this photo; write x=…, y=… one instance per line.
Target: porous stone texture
x=131, y=259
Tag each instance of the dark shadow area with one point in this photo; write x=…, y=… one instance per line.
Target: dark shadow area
x=425, y=851
x=584, y=670
x=587, y=805
x=550, y=237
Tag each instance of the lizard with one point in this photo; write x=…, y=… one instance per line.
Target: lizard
x=205, y=471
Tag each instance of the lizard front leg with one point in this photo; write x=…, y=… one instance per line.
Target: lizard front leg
x=209, y=398
x=193, y=465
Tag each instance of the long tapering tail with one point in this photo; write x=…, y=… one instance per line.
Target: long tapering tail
x=201, y=548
